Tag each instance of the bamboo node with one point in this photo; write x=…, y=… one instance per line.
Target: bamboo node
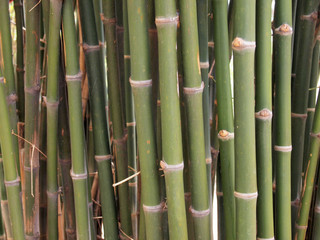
x=101, y=158
x=240, y=44
x=78, y=176
x=211, y=44
x=246, y=196
x=194, y=90
x=219, y=194
x=19, y=4
x=74, y=78
x=272, y=238
x=264, y=114
x=126, y=56
x=283, y=148
x=107, y=20
x=224, y=135
x=32, y=90
x=20, y=69
x=158, y=103
x=317, y=209
x=52, y=194
x=12, y=98
x=295, y=202
x=2, y=80
x=49, y=104
x=166, y=20
x=120, y=140
x=214, y=151
x=204, y=65
x=140, y=83
x=208, y=160
x=187, y=195
x=171, y=168
x=300, y=227
x=299, y=115
x=284, y=30
x=310, y=17
x=131, y=124
x=133, y=184
x=12, y=183
x=90, y=48
x=316, y=135
x=311, y=109
x=153, y=209
x=199, y=213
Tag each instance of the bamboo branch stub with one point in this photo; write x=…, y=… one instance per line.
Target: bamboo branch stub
x=208, y=160
x=316, y=135
x=283, y=148
x=171, y=168
x=246, y=196
x=284, y=30
x=310, y=17
x=264, y=114
x=239, y=44
x=224, y=135
x=199, y=213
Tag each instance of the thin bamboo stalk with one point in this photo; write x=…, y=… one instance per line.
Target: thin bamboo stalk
x=172, y=155
x=245, y=155
x=225, y=113
x=32, y=91
x=282, y=119
x=315, y=231
x=263, y=69
x=142, y=92
x=193, y=89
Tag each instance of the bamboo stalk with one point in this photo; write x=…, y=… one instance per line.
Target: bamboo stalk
x=308, y=16
x=225, y=113
x=119, y=137
x=172, y=156
x=245, y=155
x=263, y=115
x=142, y=92
x=282, y=119
x=193, y=99
x=315, y=230
x=32, y=91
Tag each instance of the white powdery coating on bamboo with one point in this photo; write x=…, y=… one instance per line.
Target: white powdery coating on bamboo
x=283, y=148
x=300, y=227
x=199, y=213
x=12, y=183
x=310, y=17
x=239, y=44
x=166, y=20
x=153, y=209
x=284, y=30
x=74, y=78
x=246, y=196
x=78, y=176
x=264, y=114
x=204, y=65
x=224, y=135
x=171, y=168
x=194, y=90
x=100, y=158
x=299, y=115
x=140, y=83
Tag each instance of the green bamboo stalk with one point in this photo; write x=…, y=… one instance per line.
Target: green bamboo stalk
x=11, y=177
x=64, y=157
x=193, y=99
x=142, y=92
x=172, y=160
x=97, y=108
x=32, y=91
x=300, y=90
x=307, y=189
x=119, y=137
x=18, y=8
x=225, y=113
x=263, y=69
x=245, y=155
x=282, y=119
x=315, y=231
x=314, y=77
x=52, y=102
x=131, y=124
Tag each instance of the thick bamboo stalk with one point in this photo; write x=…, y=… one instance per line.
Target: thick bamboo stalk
x=245, y=155
x=32, y=91
x=119, y=137
x=263, y=69
x=193, y=89
x=300, y=90
x=172, y=157
x=52, y=102
x=308, y=185
x=282, y=119
x=130, y=123
x=225, y=113
x=142, y=91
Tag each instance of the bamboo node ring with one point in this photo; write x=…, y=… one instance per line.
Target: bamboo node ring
x=133, y=184
x=317, y=209
x=316, y=135
x=264, y=114
x=52, y=194
x=153, y=209
x=219, y=194
x=166, y=20
x=90, y=48
x=283, y=148
x=120, y=140
x=199, y=213
x=299, y=115
x=193, y=90
x=171, y=168
x=78, y=176
x=284, y=30
x=310, y=17
x=107, y=20
x=131, y=124
x=272, y=238
x=32, y=90
x=100, y=158
x=204, y=65
x=239, y=44
x=140, y=83
x=300, y=227
x=2, y=80
x=211, y=44
x=224, y=135
x=126, y=56
x=20, y=69
x=246, y=196
x=208, y=160
x=49, y=104
x=74, y=78
x=311, y=109
x=12, y=98
x=12, y=183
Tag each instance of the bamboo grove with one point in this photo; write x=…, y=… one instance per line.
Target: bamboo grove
x=155, y=120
